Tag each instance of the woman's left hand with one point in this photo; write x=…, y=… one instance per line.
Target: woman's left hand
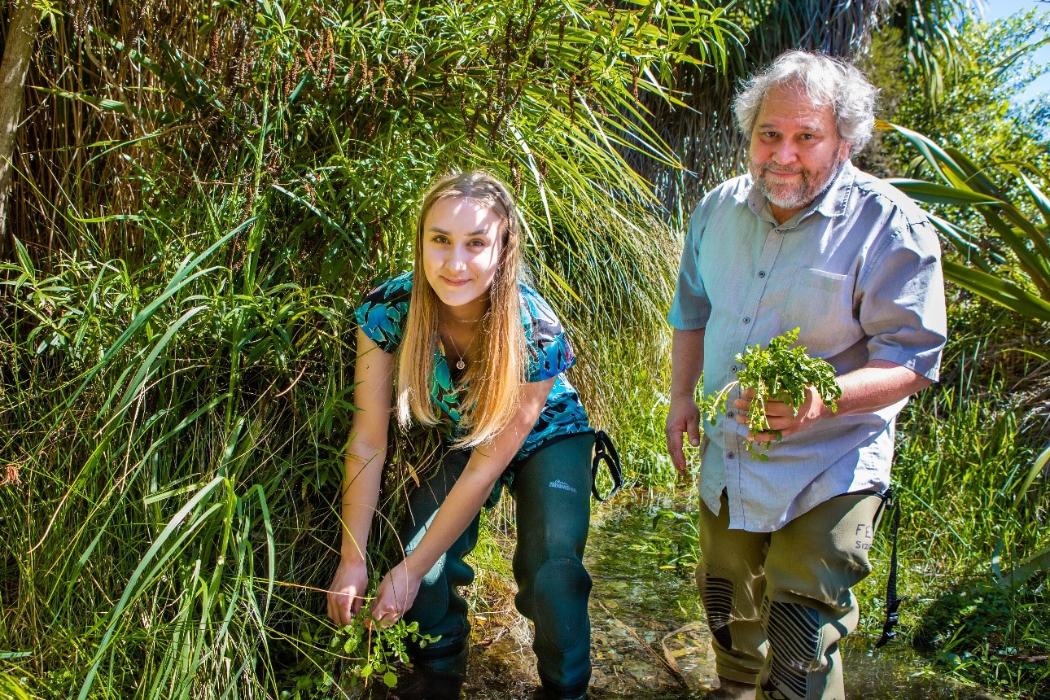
x=396, y=594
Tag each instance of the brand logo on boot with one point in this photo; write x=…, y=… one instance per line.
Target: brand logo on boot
x=559, y=484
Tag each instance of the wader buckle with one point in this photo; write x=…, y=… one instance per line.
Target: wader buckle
x=605, y=451
x=893, y=602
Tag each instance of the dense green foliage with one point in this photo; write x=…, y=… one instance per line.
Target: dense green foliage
x=971, y=516
x=987, y=64
x=356, y=655
x=1016, y=245
x=176, y=351
x=202, y=194
x=986, y=177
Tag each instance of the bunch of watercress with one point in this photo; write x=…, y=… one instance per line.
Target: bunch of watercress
x=781, y=371
x=356, y=654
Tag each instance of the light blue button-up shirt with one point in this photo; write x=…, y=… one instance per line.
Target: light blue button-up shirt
x=858, y=271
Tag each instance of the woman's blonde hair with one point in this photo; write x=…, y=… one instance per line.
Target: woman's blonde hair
x=490, y=387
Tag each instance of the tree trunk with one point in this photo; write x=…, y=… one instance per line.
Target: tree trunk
x=18, y=49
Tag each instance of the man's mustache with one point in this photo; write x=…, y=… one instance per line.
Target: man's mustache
x=782, y=171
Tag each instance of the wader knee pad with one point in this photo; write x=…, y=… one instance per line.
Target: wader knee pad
x=556, y=601
x=795, y=649
x=717, y=596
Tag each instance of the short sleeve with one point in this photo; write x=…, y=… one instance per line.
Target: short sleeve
x=691, y=307
x=902, y=308
x=383, y=311
x=550, y=352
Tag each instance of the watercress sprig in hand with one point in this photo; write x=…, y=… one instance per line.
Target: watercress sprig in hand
x=356, y=654
x=782, y=371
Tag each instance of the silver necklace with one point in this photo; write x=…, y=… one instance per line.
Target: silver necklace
x=460, y=364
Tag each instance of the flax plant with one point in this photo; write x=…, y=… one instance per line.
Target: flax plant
x=1006, y=261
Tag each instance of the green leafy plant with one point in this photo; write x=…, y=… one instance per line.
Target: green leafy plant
x=383, y=647
x=1008, y=260
x=781, y=371
x=355, y=654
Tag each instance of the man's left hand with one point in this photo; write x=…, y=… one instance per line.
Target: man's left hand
x=782, y=419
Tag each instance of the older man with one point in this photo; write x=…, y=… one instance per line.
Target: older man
x=804, y=239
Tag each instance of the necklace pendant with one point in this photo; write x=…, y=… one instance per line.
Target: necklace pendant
x=461, y=364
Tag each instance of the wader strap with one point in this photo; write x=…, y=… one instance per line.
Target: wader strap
x=605, y=451
x=892, y=601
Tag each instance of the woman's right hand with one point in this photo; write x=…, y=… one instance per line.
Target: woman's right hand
x=346, y=593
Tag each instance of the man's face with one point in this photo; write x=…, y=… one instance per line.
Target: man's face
x=795, y=150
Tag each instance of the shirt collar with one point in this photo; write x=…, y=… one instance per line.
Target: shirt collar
x=830, y=203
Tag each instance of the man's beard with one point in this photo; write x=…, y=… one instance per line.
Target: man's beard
x=793, y=196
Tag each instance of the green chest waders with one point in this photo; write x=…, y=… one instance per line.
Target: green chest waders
x=552, y=490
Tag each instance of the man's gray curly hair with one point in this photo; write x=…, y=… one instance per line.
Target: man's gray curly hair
x=825, y=81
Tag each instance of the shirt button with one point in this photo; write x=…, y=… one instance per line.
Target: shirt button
x=761, y=274
x=734, y=368
x=747, y=320
x=730, y=455
x=729, y=414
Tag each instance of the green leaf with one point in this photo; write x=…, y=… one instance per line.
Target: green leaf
x=24, y=260
x=940, y=194
x=1037, y=195
x=970, y=185
x=1000, y=291
x=1034, y=471
x=781, y=371
x=181, y=279
x=140, y=572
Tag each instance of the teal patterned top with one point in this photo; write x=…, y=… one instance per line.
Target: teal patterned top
x=382, y=317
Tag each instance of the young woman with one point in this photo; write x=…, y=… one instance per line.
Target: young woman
x=466, y=348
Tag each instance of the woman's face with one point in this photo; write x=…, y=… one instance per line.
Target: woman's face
x=461, y=252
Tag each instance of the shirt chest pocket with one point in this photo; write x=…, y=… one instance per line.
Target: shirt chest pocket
x=820, y=303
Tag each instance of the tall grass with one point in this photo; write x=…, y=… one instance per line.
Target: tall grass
x=970, y=441
x=171, y=438
x=203, y=193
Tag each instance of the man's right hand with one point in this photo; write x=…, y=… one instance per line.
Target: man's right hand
x=683, y=418
x=346, y=593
